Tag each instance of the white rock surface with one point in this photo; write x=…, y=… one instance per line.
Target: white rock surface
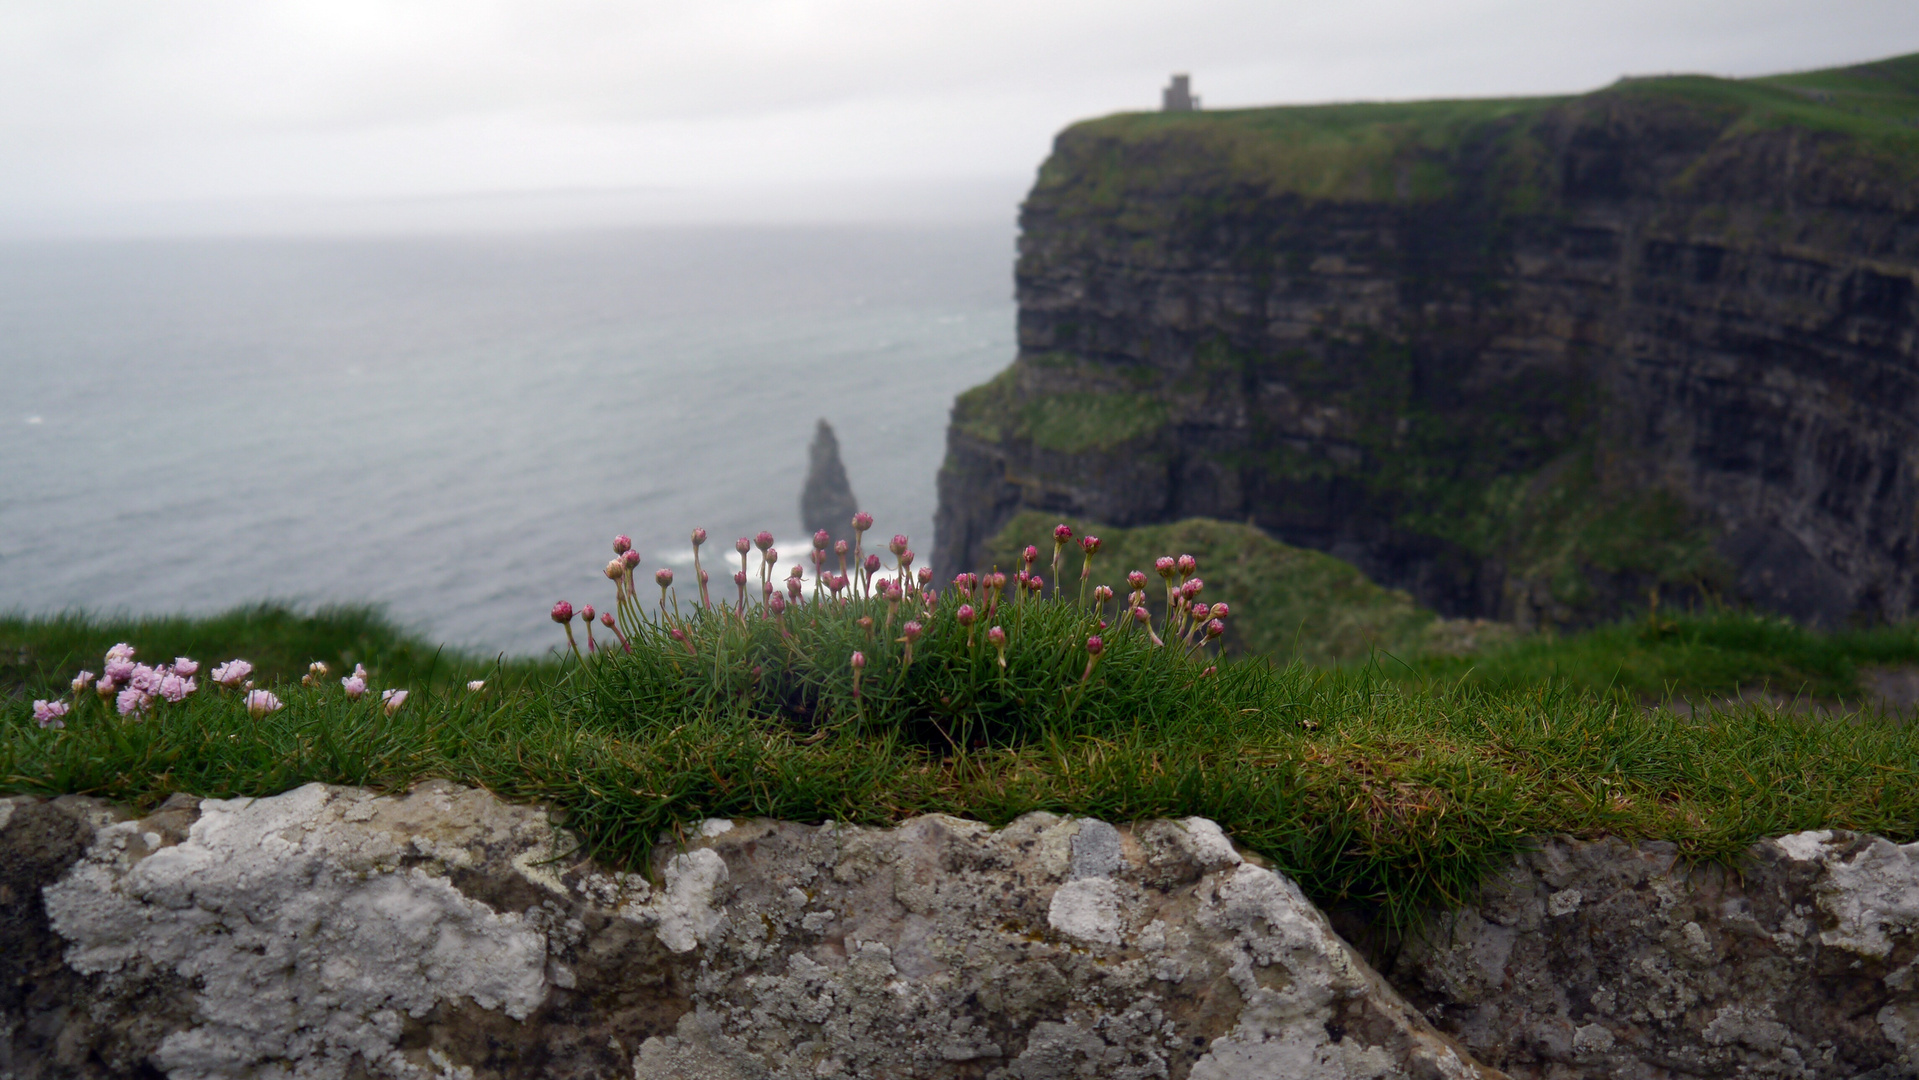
x=331, y=933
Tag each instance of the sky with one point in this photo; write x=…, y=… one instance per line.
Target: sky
x=321, y=115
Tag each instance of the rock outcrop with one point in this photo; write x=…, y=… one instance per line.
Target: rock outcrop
x=1606, y=959
x=826, y=502
x=330, y=932
x=1526, y=359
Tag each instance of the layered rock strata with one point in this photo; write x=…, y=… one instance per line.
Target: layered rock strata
x=1524, y=359
x=330, y=932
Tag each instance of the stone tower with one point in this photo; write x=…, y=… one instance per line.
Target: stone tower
x=1179, y=97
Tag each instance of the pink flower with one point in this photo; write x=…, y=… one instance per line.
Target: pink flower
x=699, y=537
x=739, y=577
x=1166, y=565
x=175, y=688
x=1035, y=582
x=262, y=702
x=186, y=667
x=105, y=688
x=906, y=560
x=821, y=539
x=1062, y=534
x=122, y=651
x=997, y=636
x=131, y=702
x=965, y=615
x=1089, y=544
x=1031, y=554
x=616, y=570
x=586, y=613
x=1094, y=646
x=232, y=673
x=742, y=545
x=776, y=604
x=606, y=619
x=119, y=668
x=1220, y=611
x=392, y=699
x=862, y=521
x=477, y=685
x=562, y=613
x=1201, y=612
x=81, y=680
x=911, y=632
x=1191, y=588
x=1215, y=628
x=764, y=540
x=48, y=713
x=145, y=678
x=631, y=559
x=794, y=586
x=872, y=564
x=840, y=548
x=1136, y=579
x=1101, y=594
x=622, y=544
x=359, y=672
x=355, y=685
x=859, y=659
x=1187, y=564
x=898, y=543
x=1142, y=616
x=771, y=555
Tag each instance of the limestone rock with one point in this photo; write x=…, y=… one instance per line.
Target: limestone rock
x=332, y=933
x=1607, y=959
x=826, y=502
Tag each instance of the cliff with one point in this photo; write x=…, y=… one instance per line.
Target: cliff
x=1526, y=359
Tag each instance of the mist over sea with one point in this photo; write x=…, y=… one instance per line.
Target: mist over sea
x=455, y=427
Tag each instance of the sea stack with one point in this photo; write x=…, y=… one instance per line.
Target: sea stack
x=826, y=502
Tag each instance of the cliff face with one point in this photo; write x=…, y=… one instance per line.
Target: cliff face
x=1525, y=359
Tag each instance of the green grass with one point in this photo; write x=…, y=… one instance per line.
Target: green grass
x=1693, y=656
x=1084, y=419
x=1367, y=788
x=1287, y=602
x=39, y=655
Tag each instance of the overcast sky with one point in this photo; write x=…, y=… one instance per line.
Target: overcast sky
x=138, y=114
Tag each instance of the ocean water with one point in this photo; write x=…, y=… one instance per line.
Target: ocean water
x=455, y=428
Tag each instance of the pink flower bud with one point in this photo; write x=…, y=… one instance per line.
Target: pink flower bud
x=81, y=681
x=1094, y=646
x=742, y=545
x=1142, y=616
x=996, y=637
x=1035, y=583
x=1089, y=544
x=796, y=573
x=1063, y=534
x=776, y=604
x=906, y=558
x=616, y=570
x=739, y=577
x=1187, y=564
x=897, y=544
x=1166, y=565
x=911, y=632
x=663, y=577
x=794, y=586
x=1103, y=624
x=1215, y=628
x=771, y=555
x=965, y=615
x=925, y=574
x=631, y=558
x=872, y=564
x=1031, y=554
x=1220, y=611
x=586, y=613
x=562, y=612
x=355, y=687
x=764, y=540
x=699, y=537
x=839, y=547
x=864, y=622
x=819, y=557
x=862, y=521
x=998, y=580
x=1101, y=594
x=705, y=577
x=1201, y=613
x=932, y=596
x=821, y=539
x=836, y=582
x=1136, y=579
x=606, y=619
x=859, y=659
x=1191, y=588
x=392, y=699
x=622, y=544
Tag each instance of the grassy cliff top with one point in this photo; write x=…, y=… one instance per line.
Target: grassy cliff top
x=1397, y=150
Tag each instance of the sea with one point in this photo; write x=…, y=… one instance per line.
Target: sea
x=455, y=427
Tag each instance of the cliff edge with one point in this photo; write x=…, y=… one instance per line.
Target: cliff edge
x=1527, y=359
